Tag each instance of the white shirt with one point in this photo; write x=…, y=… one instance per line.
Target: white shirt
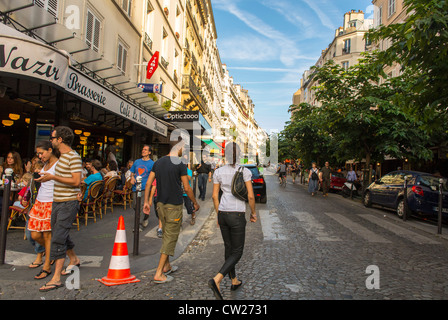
x=224, y=176
x=46, y=190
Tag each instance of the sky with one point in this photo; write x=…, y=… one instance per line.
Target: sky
x=267, y=45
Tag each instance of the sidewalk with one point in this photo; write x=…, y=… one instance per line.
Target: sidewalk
x=93, y=245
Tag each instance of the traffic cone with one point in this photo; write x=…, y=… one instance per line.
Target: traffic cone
x=119, y=269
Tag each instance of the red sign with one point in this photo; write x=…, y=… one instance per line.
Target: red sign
x=152, y=65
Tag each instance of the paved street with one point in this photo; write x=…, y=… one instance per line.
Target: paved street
x=302, y=247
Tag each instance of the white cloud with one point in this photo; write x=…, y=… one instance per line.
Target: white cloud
x=247, y=48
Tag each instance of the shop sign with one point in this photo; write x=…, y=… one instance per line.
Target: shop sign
x=152, y=65
x=182, y=116
x=31, y=59
x=150, y=87
x=89, y=90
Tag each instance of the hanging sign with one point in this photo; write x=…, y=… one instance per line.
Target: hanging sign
x=150, y=87
x=152, y=65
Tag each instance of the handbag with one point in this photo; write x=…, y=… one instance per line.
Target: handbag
x=238, y=187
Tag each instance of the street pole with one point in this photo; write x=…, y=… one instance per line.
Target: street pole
x=439, y=219
x=5, y=210
x=195, y=178
x=138, y=188
x=405, y=201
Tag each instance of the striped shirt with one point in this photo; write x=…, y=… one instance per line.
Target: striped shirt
x=69, y=163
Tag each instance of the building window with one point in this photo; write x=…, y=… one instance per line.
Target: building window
x=345, y=65
x=378, y=16
x=93, y=28
x=49, y=5
x=391, y=7
x=121, y=57
x=347, y=46
x=126, y=5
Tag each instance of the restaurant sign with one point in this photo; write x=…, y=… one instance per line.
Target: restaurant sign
x=31, y=59
x=87, y=89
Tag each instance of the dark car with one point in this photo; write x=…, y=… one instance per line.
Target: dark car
x=422, y=193
x=258, y=183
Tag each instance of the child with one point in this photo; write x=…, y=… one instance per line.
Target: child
x=24, y=194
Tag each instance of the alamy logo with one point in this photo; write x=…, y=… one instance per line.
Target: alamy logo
x=73, y=280
x=373, y=280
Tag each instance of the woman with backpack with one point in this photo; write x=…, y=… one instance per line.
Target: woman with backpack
x=313, y=179
x=231, y=215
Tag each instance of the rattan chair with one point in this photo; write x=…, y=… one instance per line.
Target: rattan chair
x=91, y=204
x=108, y=194
x=125, y=194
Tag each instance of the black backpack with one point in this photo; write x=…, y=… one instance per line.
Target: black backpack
x=314, y=176
x=239, y=189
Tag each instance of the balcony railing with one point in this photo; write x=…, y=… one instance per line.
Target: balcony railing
x=148, y=41
x=164, y=62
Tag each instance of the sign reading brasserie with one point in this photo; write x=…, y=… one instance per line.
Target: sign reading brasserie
x=89, y=90
x=32, y=59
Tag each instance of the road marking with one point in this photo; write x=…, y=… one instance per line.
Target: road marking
x=399, y=231
x=357, y=229
x=25, y=259
x=271, y=226
x=314, y=227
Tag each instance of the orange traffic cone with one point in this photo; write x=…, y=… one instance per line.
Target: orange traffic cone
x=119, y=270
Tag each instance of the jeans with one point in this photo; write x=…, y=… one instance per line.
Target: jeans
x=202, y=184
x=233, y=231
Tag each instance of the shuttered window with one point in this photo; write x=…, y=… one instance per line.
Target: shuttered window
x=49, y=5
x=93, y=28
x=121, y=57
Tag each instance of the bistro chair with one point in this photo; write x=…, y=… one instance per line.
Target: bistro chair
x=125, y=194
x=91, y=204
x=108, y=194
x=83, y=188
x=16, y=213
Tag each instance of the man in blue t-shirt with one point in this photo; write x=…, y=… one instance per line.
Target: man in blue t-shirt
x=142, y=167
x=93, y=177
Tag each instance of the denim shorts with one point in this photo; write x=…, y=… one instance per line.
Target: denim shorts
x=63, y=215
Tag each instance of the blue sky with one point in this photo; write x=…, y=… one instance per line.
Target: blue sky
x=267, y=45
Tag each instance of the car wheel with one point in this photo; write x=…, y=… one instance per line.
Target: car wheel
x=367, y=200
x=264, y=199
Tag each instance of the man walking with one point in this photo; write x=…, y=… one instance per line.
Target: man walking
x=203, y=171
x=326, y=178
x=67, y=179
x=171, y=175
x=142, y=167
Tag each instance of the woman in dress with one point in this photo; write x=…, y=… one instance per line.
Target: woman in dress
x=231, y=216
x=313, y=179
x=40, y=215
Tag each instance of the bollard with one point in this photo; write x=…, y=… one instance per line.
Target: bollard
x=439, y=218
x=138, y=188
x=4, y=213
x=405, y=198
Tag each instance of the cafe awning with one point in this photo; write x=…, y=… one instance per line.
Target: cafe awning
x=214, y=147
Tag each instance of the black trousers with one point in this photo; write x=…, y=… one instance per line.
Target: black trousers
x=233, y=231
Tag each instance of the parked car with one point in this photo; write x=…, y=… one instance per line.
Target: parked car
x=337, y=181
x=422, y=193
x=258, y=183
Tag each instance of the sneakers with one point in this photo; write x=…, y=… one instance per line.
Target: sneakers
x=159, y=233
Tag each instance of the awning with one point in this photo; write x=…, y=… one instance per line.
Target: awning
x=214, y=147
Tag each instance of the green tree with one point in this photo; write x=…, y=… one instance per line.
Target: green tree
x=420, y=45
x=363, y=112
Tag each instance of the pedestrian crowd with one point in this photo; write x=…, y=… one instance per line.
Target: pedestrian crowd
x=50, y=188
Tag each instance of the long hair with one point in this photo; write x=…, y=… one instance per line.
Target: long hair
x=232, y=153
x=17, y=165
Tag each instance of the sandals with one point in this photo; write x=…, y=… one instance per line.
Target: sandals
x=168, y=279
x=69, y=269
x=51, y=286
x=47, y=273
x=35, y=265
x=173, y=269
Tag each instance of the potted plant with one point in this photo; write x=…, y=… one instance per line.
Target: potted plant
x=166, y=11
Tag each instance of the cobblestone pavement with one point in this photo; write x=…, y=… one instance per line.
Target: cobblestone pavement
x=302, y=248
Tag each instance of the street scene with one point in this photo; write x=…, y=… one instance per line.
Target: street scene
x=209, y=150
